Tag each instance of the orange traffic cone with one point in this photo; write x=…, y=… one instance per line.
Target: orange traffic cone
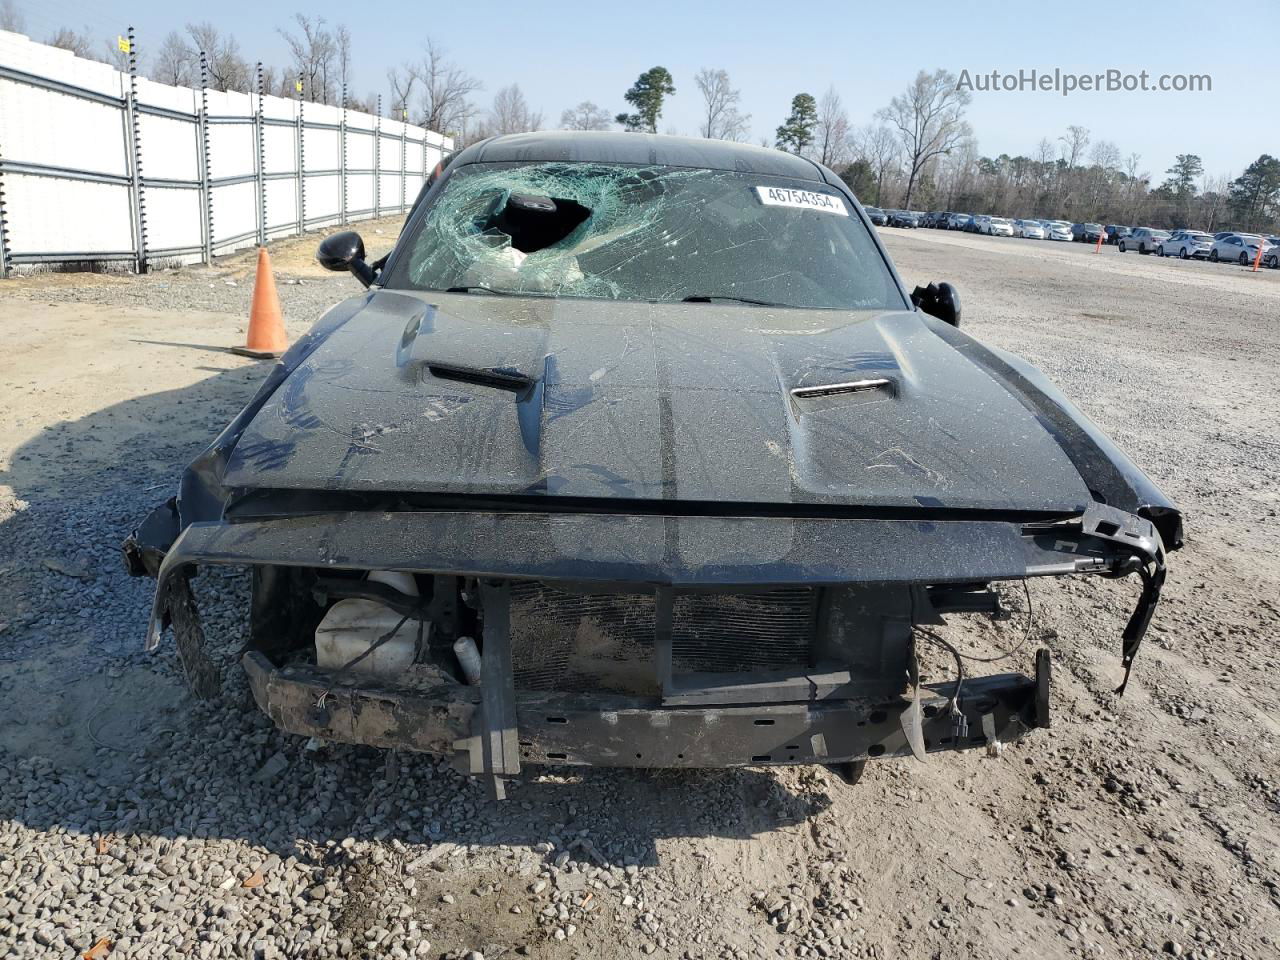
x=266, y=339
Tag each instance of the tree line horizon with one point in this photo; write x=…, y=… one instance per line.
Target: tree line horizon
x=917, y=152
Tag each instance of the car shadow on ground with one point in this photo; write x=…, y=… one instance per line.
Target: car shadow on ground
x=101, y=739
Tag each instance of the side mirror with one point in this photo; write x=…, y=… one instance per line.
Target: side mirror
x=345, y=251
x=940, y=300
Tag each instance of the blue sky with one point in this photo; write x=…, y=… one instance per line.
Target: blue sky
x=564, y=52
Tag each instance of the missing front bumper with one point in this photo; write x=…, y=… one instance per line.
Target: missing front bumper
x=612, y=731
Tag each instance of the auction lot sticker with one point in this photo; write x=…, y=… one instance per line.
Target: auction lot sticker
x=801, y=200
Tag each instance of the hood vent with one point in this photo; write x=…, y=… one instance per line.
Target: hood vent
x=512, y=380
x=839, y=389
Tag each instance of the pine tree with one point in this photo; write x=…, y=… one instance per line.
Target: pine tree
x=647, y=95
x=797, y=132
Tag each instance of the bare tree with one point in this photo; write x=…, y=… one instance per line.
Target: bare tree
x=366, y=104
x=314, y=54
x=279, y=82
x=586, y=116
x=11, y=18
x=831, y=139
x=1105, y=162
x=227, y=69
x=402, y=80
x=80, y=44
x=510, y=113
x=929, y=119
x=342, y=49
x=173, y=61
x=720, y=117
x=1073, y=143
x=446, y=89
x=963, y=161
x=878, y=145
x=1044, y=151
x=1213, y=194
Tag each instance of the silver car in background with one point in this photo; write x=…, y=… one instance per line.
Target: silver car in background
x=1057, y=230
x=1029, y=229
x=1186, y=245
x=1144, y=240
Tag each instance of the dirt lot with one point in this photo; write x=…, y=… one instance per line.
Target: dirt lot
x=1134, y=827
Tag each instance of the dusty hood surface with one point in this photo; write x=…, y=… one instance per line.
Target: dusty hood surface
x=650, y=401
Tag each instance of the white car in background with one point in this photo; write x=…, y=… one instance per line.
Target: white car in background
x=1028, y=229
x=1186, y=245
x=1057, y=230
x=997, y=227
x=1239, y=247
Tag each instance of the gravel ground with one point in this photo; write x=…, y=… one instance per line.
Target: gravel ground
x=1134, y=828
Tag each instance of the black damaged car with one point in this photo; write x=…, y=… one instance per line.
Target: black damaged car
x=636, y=452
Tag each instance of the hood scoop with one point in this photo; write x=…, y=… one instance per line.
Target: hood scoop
x=470, y=351
x=870, y=385
x=501, y=379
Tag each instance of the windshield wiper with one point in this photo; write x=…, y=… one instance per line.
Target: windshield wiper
x=712, y=297
x=502, y=293
x=496, y=293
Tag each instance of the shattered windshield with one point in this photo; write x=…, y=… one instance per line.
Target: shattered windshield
x=656, y=233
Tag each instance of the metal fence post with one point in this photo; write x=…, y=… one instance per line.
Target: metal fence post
x=4, y=242
x=377, y=161
x=261, y=160
x=301, y=159
x=202, y=145
x=404, y=119
x=424, y=158
x=342, y=155
x=132, y=123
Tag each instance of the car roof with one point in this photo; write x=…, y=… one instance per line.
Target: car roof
x=646, y=149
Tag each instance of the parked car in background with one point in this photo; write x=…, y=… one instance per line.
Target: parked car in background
x=877, y=216
x=1240, y=247
x=1086, y=232
x=997, y=227
x=1143, y=239
x=1057, y=230
x=1115, y=231
x=957, y=221
x=903, y=218
x=976, y=223
x=1028, y=229
x=1272, y=257
x=1186, y=245
x=1222, y=233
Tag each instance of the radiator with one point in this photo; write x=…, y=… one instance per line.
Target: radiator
x=580, y=641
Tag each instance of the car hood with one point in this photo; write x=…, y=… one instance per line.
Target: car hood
x=489, y=395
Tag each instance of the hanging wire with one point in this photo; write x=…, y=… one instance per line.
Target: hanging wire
x=954, y=704
x=1026, y=635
